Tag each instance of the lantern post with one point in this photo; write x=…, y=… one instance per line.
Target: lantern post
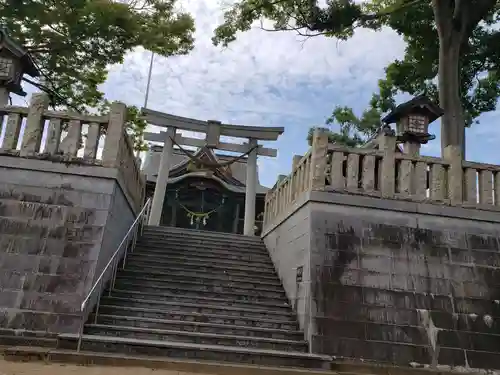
x=412, y=120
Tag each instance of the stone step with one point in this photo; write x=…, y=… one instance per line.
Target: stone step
x=169, y=259
x=8, y=341
x=108, y=308
x=226, y=293
x=199, y=277
x=201, y=234
x=190, y=243
x=195, y=337
x=149, y=263
x=173, y=297
x=167, y=247
x=158, y=309
x=215, y=353
x=203, y=285
x=224, y=327
x=205, y=254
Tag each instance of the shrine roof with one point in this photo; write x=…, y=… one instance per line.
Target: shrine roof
x=236, y=175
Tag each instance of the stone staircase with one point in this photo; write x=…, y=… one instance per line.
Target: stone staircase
x=198, y=295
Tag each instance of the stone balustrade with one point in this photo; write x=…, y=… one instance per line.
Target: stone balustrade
x=288, y=189
x=36, y=132
x=385, y=173
x=130, y=170
x=371, y=172
x=481, y=184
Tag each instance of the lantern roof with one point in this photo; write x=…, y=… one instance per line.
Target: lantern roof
x=18, y=51
x=420, y=104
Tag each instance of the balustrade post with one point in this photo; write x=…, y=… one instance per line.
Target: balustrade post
x=114, y=134
x=318, y=160
x=453, y=155
x=33, y=130
x=295, y=177
x=267, y=210
x=295, y=161
x=387, y=144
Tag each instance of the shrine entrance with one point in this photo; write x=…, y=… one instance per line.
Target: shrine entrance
x=214, y=130
x=202, y=204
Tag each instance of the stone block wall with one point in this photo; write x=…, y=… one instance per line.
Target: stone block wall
x=53, y=226
x=289, y=246
x=120, y=218
x=401, y=283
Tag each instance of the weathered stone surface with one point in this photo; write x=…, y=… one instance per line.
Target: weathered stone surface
x=64, y=197
x=288, y=246
x=34, y=125
x=399, y=287
x=441, y=276
x=52, y=229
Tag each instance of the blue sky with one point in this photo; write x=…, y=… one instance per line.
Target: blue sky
x=273, y=79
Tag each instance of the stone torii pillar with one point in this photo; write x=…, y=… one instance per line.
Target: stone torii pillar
x=162, y=178
x=250, y=193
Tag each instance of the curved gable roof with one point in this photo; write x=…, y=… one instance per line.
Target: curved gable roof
x=223, y=173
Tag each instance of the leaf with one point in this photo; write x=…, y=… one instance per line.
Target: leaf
x=74, y=42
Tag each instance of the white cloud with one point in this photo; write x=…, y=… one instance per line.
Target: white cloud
x=265, y=79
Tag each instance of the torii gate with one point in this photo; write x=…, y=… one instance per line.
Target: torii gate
x=213, y=130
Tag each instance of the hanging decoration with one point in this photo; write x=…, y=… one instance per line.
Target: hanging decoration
x=198, y=217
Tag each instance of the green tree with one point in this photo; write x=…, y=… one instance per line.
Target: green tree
x=73, y=42
x=451, y=53
x=353, y=131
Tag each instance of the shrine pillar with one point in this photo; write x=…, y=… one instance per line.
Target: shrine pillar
x=162, y=178
x=250, y=193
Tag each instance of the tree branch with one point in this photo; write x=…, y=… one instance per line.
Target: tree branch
x=458, y=11
x=296, y=29
x=443, y=15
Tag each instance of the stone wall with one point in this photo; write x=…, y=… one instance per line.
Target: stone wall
x=120, y=218
x=54, y=221
x=289, y=246
x=400, y=282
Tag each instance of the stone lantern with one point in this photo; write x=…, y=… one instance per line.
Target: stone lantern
x=15, y=61
x=412, y=122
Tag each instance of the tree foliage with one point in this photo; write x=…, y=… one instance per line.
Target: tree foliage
x=451, y=54
x=74, y=42
x=353, y=131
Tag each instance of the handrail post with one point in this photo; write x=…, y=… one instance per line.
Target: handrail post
x=80, y=333
x=113, y=277
x=134, y=241
x=98, y=303
x=125, y=254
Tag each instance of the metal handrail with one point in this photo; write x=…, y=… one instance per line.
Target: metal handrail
x=129, y=238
